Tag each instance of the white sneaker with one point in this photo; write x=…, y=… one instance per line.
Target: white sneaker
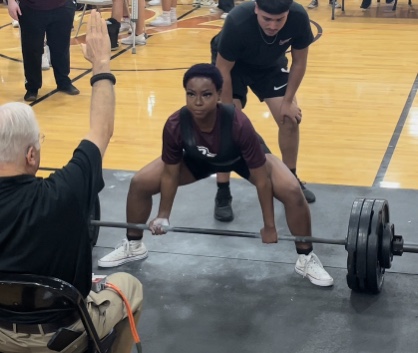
x=128, y=251
x=207, y=3
x=173, y=16
x=139, y=40
x=154, y=2
x=337, y=4
x=15, y=24
x=125, y=26
x=46, y=61
x=161, y=21
x=310, y=266
x=224, y=15
x=313, y=4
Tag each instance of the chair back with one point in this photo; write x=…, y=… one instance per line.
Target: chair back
x=33, y=299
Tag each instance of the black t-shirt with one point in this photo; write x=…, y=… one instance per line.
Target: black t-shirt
x=44, y=222
x=242, y=40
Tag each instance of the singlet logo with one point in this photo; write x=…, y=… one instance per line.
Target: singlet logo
x=205, y=151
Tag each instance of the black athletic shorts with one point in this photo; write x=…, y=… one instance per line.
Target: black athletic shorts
x=201, y=169
x=266, y=83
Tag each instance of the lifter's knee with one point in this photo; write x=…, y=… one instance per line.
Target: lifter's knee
x=294, y=195
x=138, y=184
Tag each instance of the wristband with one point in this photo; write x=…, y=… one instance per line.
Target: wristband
x=103, y=76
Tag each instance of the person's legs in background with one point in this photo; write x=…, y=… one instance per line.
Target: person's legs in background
x=58, y=34
x=32, y=32
x=139, y=36
x=169, y=15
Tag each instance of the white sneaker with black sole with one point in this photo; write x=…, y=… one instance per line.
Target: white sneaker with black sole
x=309, y=266
x=126, y=252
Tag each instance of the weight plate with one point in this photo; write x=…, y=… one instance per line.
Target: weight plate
x=94, y=214
x=386, y=255
x=351, y=243
x=375, y=271
x=361, y=249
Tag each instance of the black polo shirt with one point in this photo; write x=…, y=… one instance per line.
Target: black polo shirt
x=44, y=222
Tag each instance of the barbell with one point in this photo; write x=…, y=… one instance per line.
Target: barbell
x=370, y=242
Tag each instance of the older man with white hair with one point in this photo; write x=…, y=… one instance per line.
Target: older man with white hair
x=44, y=226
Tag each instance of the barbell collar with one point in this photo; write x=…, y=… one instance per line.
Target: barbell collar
x=224, y=232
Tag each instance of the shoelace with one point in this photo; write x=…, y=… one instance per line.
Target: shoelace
x=125, y=245
x=223, y=197
x=314, y=260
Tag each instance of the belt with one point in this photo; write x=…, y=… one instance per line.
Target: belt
x=36, y=328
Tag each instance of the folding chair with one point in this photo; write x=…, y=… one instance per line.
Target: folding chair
x=97, y=3
x=29, y=301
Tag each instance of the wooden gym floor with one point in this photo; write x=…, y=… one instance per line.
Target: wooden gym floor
x=358, y=96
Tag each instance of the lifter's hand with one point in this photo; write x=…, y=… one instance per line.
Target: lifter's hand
x=157, y=225
x=97, y=47
x=268, y=235
x=290, y=111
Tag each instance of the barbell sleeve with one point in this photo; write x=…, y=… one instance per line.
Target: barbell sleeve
x=410, y=248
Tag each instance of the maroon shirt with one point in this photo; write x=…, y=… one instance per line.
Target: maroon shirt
x=243, y=135
x=44, y=5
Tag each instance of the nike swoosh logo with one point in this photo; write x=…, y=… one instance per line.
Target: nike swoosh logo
x=277, y=88
x=281, y=42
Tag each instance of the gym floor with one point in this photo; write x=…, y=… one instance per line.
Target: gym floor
x=206, y=293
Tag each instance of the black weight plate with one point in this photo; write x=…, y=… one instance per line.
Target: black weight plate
x=94, y=214
x=351, y=243
x=386, y=255
x=361, y=249
x=375, y=271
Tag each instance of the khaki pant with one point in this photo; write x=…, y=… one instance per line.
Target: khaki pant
x=107, y=311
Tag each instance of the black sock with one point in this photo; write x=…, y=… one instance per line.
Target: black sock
x=223, y=185
x=223, y=191
x=304, y=251
x=134, y=237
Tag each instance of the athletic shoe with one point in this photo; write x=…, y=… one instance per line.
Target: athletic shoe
x=125, y=26
x=310, y=266
x=337, y=4
x=113, y=27
x=139, y=40
x=313, y=4
x=161, y=21
x=126, y=252
x=206, y=3
x=30, y=96
x=154, y=2
x=224, y=15
x=365, y=4
x=223, y=209
x=173, y=16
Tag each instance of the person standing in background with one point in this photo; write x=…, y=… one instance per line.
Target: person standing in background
x=54, y=19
